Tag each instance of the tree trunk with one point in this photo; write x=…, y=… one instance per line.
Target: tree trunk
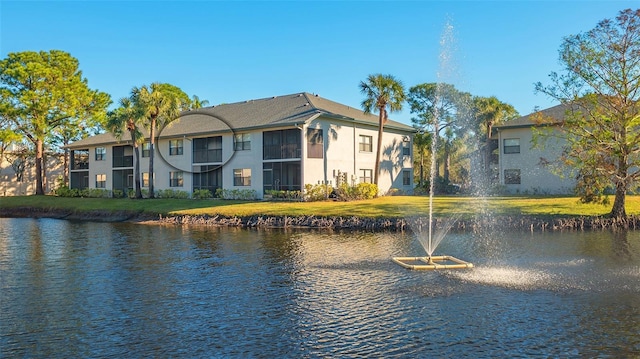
x=379, y=148
x=136, y=166
x=421, y=170
x=44, y=172
x=618, y=210
x=447, y=161
x=152, y=141
x=39, y=152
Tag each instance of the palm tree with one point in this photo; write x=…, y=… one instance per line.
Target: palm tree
x=159, y=103
x=422, y=142
x=381, y=91
x=196, y=103
x=486, y=113
x=126, y=118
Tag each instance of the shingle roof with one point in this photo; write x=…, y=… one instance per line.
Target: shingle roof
x=551, y=116
x=287, y=110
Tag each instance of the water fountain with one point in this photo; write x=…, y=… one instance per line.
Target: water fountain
x=430, y=261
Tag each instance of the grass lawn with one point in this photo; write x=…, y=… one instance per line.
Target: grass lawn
x=392, y=206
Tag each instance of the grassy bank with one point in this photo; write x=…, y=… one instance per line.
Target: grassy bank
x=389, y=207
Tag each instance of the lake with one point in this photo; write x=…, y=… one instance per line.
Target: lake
x=96, y=290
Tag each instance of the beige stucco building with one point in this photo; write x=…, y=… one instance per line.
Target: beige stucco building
x=527, y=169
x=275, y=143
x=18, y=172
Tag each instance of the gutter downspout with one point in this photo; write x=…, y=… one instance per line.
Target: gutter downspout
x=302, y=150
x=355, y=149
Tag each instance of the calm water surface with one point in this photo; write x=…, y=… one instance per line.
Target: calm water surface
x=94, y=290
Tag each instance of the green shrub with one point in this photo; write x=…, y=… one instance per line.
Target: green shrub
x=201, y=194
x=64, y=191
x=238, y=194
x=95, y=193
x=284, y=195
x=171, y=193
x=357, y=192
x=317, y=192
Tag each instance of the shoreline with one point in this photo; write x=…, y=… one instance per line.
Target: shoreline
x=475, y=223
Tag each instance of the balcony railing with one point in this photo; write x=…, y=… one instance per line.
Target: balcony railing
x=273, y=152
x=126, y=161
x=80, y=165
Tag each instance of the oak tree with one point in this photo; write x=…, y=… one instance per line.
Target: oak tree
x=600, y=86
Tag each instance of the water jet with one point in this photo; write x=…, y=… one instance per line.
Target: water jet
x=430, y=261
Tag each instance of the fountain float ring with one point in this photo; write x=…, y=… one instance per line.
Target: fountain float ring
x=432, y=262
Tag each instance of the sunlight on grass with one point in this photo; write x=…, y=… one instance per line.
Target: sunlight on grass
x=391, y=207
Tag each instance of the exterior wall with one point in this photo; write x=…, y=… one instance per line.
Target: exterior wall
x=343, y=155
x=338, y=154
x=244, y=159
x=9, y=185
x=101, y=167
x=535, y=176
x=164, y=163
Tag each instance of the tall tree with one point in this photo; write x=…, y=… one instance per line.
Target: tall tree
x=601, y=87
x=381, y=92
x=421, y=143
x=41, y=92
x=436, y=109
x=483, y=114
x=160, y=103
x=127, y=117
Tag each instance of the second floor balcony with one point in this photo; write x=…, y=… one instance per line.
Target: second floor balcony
x=274, y=152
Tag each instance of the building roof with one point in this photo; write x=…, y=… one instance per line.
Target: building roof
x=551, y=116
x=277, y=111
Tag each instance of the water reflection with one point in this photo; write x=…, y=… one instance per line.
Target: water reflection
x=75, y=289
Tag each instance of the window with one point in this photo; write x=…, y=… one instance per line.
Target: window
x=146, y=149
x=242, y=142
x=145, y=179
x=511, y=145
x=406, y=148
x=365, y=144
x=101, y=181
x=175, y=179
x=282, y=176
x=122, y=156
x=207, y=177
x=79, y=180
x=281, y=144
x=242, y=177
x=366, y=176
x=406, y=178
x=207, y=150
x=315, y=143
x=80, y=160
x=101, y=153
x=512, y=176
x=175, y=147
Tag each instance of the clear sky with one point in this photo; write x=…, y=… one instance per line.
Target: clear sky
x=230, y=51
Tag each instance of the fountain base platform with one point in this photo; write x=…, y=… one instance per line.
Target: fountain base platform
x=432, y=263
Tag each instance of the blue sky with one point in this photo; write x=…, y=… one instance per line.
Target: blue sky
x=230, y=51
